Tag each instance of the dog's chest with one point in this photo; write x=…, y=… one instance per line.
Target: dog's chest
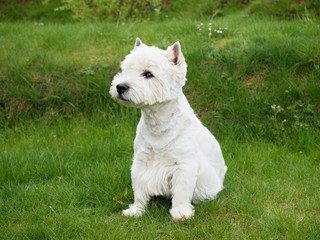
x=155, y=166
x=155, y=155
x=161, y=151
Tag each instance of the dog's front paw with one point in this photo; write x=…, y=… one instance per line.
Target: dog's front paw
x=182, y=213
x=133, y=211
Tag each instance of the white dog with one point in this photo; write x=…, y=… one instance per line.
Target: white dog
x=175, y=156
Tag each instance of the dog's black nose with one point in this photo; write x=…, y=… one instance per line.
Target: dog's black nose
x=122, y=88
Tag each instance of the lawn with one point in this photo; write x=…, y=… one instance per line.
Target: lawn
x=71, y=180
x=66, y=147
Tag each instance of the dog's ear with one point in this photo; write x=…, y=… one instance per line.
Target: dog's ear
x=175, y=53
x=138, y=43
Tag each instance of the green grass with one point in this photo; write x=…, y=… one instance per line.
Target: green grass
x=66, y=146
x=71, y=180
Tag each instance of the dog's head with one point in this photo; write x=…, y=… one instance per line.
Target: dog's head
x=150, y=75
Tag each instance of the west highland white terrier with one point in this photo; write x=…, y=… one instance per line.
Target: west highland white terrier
x=175, y=156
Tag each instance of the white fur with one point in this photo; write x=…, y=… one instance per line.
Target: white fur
x=174, y=154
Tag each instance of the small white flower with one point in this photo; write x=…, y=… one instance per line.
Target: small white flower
x=39, y=24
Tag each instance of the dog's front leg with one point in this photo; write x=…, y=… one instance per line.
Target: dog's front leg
x=183, y=185
x=138, y=207
x=141, y=197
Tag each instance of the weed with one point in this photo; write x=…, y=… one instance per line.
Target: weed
x=109, y=9
x=218, y=32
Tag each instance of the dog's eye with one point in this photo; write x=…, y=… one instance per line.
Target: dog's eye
x=147, y=74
